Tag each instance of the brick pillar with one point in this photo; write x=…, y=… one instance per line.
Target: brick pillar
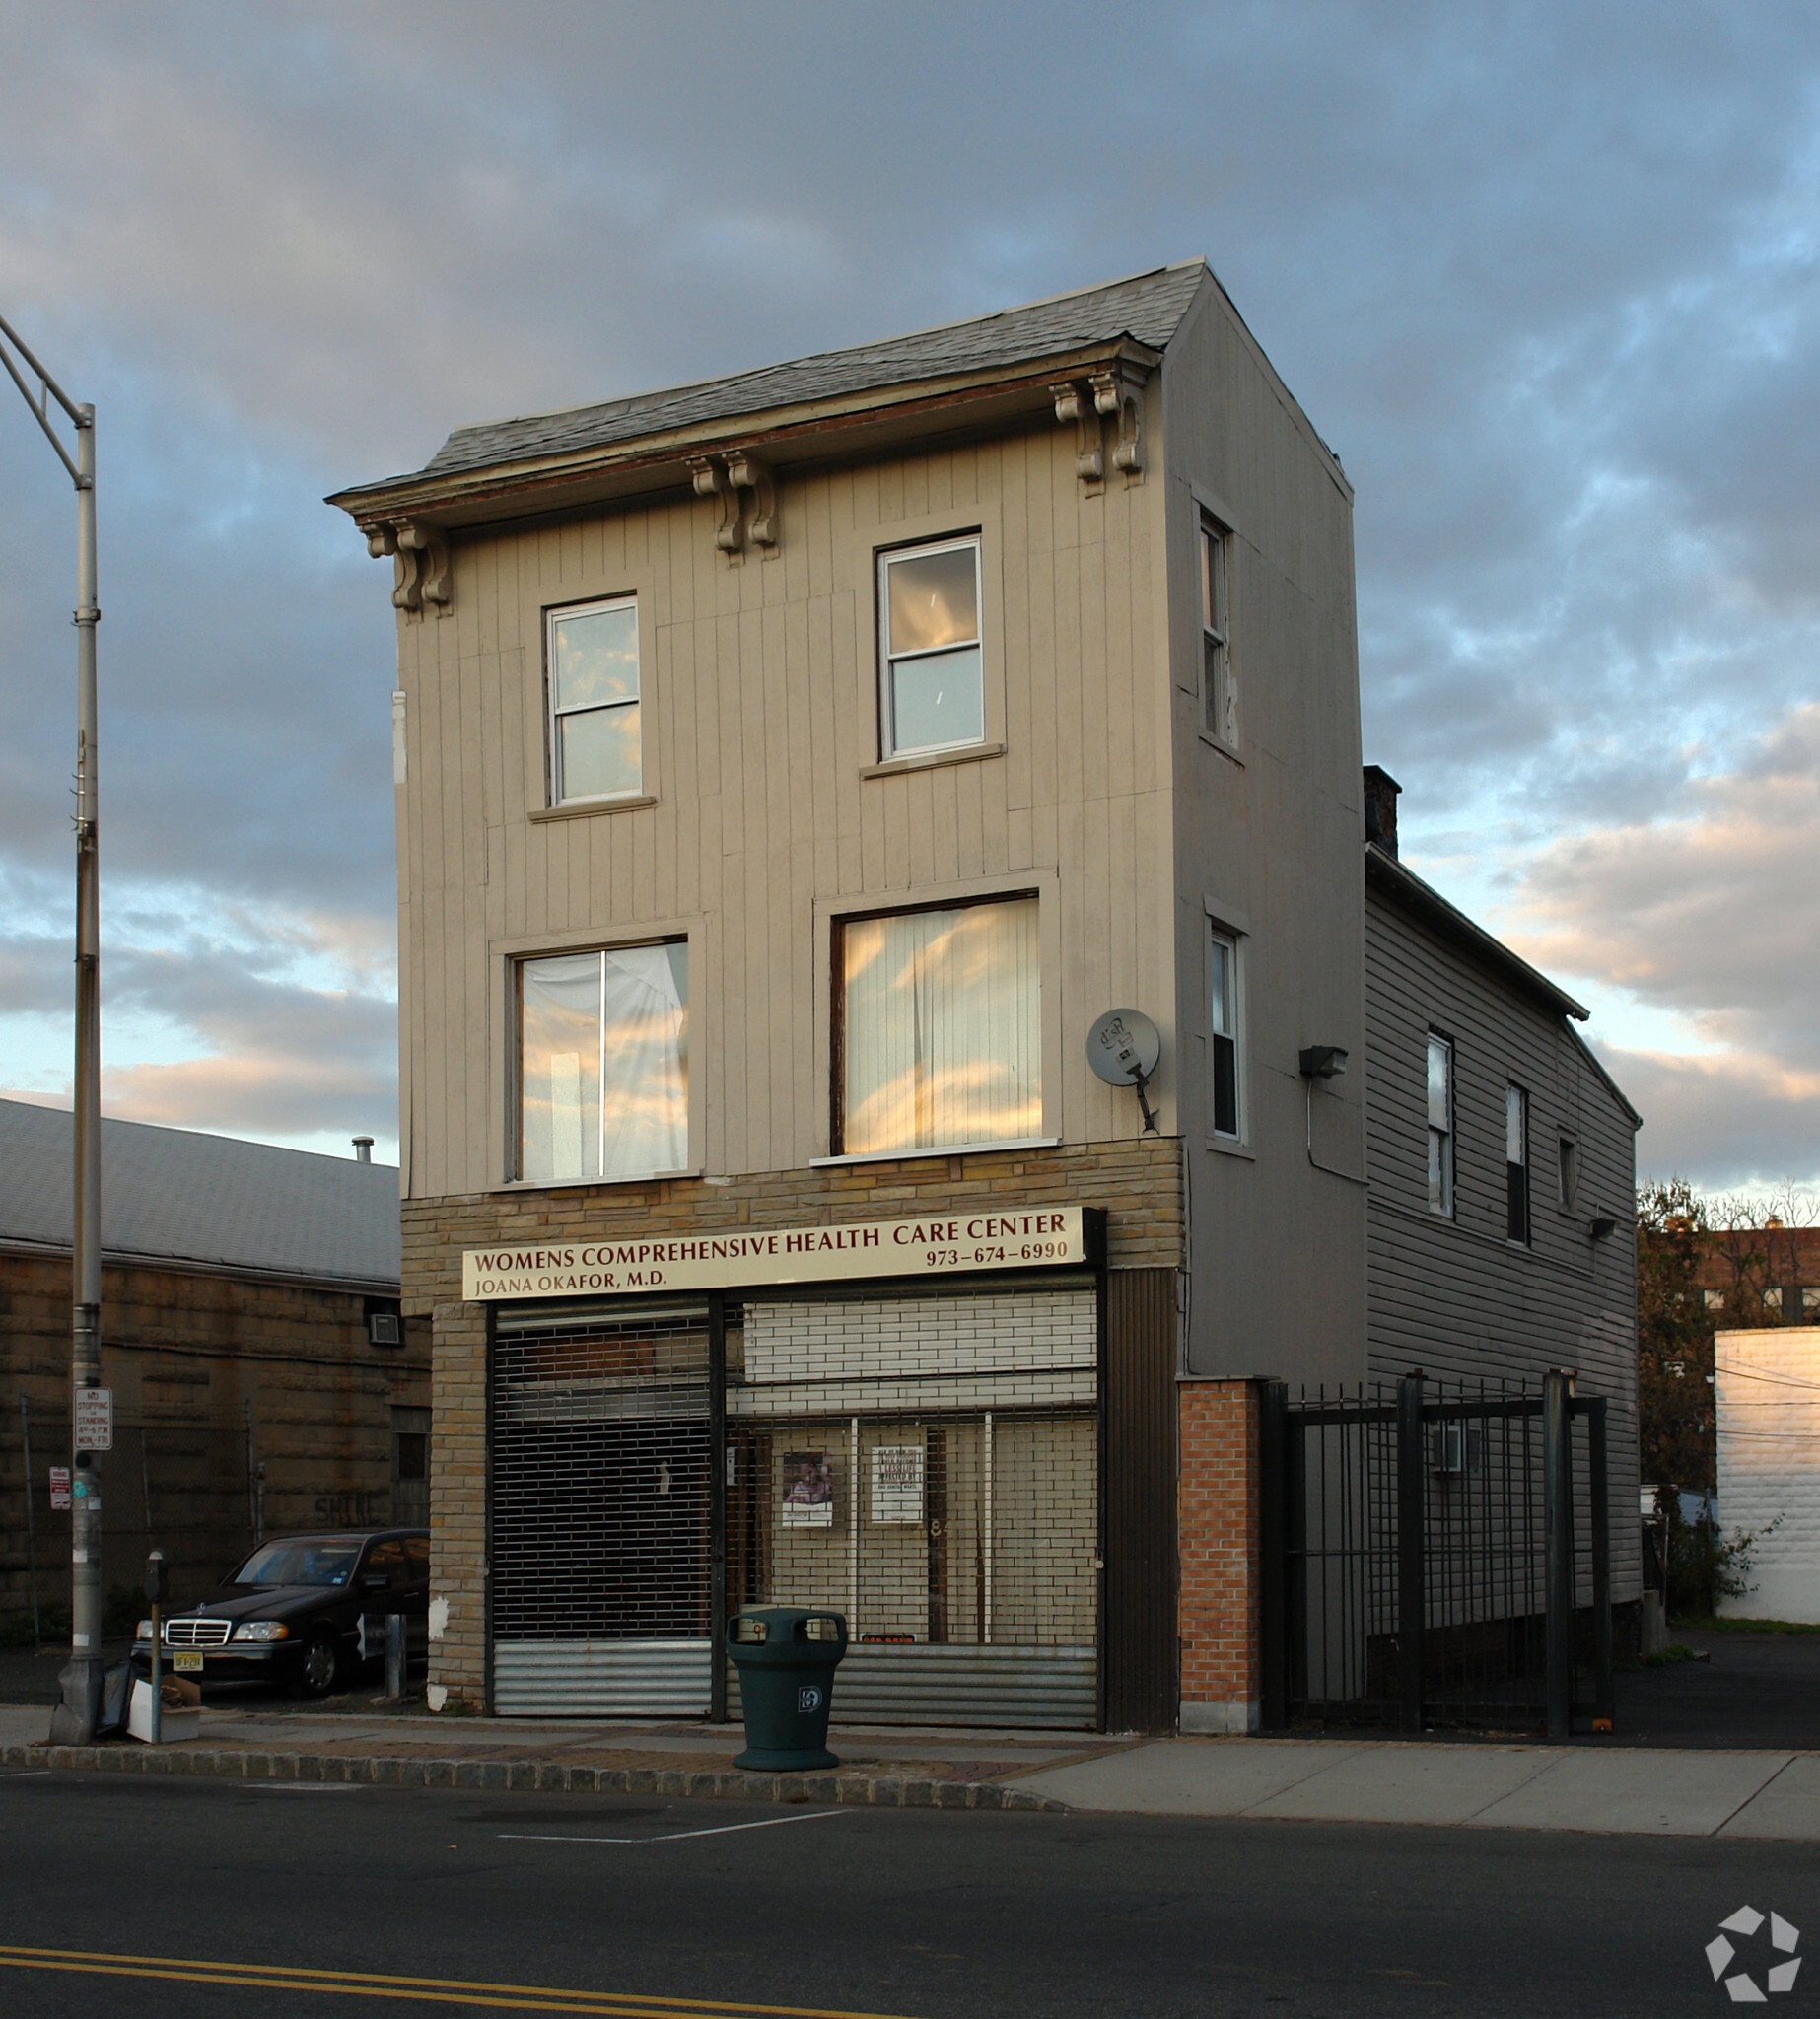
x=458, y=1506
x=1216, y=1506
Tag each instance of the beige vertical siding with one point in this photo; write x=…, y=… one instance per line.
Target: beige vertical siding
x=759, y=722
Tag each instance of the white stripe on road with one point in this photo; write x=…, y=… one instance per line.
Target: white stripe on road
x=672, y=1835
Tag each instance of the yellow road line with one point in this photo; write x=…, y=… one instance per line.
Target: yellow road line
x=441, y=1990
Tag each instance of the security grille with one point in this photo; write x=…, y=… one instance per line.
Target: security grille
x=961, y=1547
x=197, y=1633
x=601, y=1530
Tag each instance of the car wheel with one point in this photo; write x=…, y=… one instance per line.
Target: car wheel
x=320, y=1668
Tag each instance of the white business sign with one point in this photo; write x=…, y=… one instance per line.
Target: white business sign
x=940, y=1244
x=93, y=1418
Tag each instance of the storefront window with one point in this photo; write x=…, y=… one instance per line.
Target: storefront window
x=604, y=1063
x=940, y=1028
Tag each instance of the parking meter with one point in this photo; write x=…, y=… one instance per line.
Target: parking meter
x=156, y=1589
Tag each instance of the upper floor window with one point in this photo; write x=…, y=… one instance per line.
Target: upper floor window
x=1440, y=1124
x=1223, y=1017
x=593, y=677
x=604, y=1063
x=939, y=1028
x=1517, y=1164
x=932, y=688
x=1219, y=690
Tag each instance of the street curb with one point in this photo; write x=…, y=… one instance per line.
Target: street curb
x=539, y=1776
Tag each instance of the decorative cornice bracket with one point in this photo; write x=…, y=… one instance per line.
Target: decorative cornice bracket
x=747, y=495
x=1115, y=394
x=420, y=563
x=1118, y=392
x=1075, y=404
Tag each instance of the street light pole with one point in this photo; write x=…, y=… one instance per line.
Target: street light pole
x=74, y=1719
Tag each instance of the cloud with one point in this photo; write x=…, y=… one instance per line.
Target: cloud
x=1546, y=277
x=1735, y=1121
x=1715, y=917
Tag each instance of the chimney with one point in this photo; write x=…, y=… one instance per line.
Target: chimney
x=1381, y=798
x=363, y=1149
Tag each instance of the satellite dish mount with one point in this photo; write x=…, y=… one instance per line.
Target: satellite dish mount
x=1123, y=1047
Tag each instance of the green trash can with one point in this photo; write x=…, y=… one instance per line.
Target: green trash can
x=786, y=1658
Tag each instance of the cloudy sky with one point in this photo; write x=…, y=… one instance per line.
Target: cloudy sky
x=1544, y=275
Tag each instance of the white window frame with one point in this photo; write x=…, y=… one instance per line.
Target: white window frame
x=839, y=923
x=1231, y=942
x=553, y=715
x=1517, y=1136
x=1442, y=1135
x=1215, y=677
x=514, y=965
x=888, y=660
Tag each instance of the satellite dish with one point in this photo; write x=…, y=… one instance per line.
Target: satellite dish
x=1123, y=1047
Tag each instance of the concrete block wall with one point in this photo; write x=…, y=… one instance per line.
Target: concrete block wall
x=957, y=1334
x=1218, y=1512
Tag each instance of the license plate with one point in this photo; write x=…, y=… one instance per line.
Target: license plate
x=186, y=1660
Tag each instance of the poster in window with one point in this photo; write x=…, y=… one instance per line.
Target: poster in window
x=897, y=1483
x=809, y=1490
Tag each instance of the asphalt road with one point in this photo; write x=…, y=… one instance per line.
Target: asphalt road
x=198, y=1897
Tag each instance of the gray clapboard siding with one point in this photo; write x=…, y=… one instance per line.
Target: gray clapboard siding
x=1455, y=1296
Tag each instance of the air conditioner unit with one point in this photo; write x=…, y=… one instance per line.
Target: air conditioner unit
x=1453, y=1449
x=383, y=1328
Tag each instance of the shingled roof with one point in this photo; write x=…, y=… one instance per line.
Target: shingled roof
x=1147, y=308
x=172, y=1195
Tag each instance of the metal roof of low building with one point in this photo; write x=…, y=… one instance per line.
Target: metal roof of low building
x=1148, y=308
x=173, y=1195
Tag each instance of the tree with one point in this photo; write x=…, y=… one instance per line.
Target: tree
x=1674, y=1339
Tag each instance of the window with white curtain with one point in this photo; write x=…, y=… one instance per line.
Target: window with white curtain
x=940, y=1028
x=604, y=1063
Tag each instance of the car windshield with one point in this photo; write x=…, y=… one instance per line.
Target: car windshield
x=329, y=1561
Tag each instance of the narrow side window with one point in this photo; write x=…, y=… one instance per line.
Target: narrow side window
x=591, y=675
x=1225, y=1031
x=1218, y=690
x=1440, y=1125
x=931, y=684
x=1569, y=1172
x=1517, y=1165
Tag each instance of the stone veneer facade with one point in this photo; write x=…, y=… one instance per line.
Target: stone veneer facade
x=1136, y=1182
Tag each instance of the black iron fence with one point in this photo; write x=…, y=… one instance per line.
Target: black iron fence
x=1435, y=1553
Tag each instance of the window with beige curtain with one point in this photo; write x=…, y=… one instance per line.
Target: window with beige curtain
x=604, y=1063
x=941, y=1028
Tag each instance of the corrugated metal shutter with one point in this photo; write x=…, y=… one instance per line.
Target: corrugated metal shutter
x=601, y=1678
x=601, y=1514
x=1038, y=1688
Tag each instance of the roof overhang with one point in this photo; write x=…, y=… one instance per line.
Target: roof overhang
x=1384, y=873
x=846, y=428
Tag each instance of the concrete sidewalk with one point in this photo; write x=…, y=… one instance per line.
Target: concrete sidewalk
x=1678, y=1792
x=1666, y=1794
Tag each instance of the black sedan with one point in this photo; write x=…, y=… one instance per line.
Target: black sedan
x=291, y=1612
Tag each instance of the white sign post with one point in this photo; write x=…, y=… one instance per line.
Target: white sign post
x=93, y=1418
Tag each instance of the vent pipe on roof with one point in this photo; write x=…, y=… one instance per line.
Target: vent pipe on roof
x=363, y=1149
x=1380, y=807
